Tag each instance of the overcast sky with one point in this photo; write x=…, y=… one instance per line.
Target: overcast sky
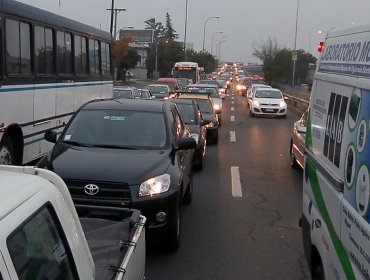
x=242, y=22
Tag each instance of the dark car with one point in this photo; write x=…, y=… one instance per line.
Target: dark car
x=126, y=92
x=128, y=153
x=208, y=114
x=192, y=117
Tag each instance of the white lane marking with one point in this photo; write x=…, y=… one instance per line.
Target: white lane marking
x=236, y=186
x=232, y=108
x=232, y=136
x=232, y=102
x=232, y=98
x=232, y=119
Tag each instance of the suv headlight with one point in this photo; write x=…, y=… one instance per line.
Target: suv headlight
x=282, y=104
x=155, y=185
x=256, y=103
x=195, y=136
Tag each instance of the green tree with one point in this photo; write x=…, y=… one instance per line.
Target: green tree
x=167, y=52
x=169, y=32
x=204, y=59
x=124, y=56
x=156, y=26
x=265, y=50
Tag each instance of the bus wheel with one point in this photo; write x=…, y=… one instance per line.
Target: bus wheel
x=7, y=156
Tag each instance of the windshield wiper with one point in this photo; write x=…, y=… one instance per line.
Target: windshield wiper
x=114, y=147
x=75, y=143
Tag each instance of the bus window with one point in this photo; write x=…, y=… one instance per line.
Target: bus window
x=80, y=55
x=44, y=54
x=18, y=51
x=105, y=59
x=94, y=57
x=64, y=53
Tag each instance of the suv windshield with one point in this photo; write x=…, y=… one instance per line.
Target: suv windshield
x=117, y=128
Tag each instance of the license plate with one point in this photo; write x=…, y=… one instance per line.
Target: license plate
x=269, y=110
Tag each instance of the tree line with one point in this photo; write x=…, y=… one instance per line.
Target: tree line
x=163, y=52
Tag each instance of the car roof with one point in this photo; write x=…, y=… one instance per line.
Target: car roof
x=267, y=89
x=193, y=96
x=202, y=85
x=158, y=85
x=126, y=104
x=182, y=100
x=124, y=87
x=166, y=80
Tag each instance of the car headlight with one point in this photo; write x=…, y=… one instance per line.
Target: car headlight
x=256, y=103
x=238, y=87
x=155, y=185
x=216, y=107
x=195, y=136
x=282, y=104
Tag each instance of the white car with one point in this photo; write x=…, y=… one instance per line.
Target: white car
x=252, y=88
x=267, y=101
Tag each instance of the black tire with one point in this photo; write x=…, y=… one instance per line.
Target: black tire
x=293, y=160
x=252, y=114
x=318, y=273
x=174, y=229
x=7, y=153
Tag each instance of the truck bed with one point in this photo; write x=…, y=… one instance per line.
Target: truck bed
x=117, y=247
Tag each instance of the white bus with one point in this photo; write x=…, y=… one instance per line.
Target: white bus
x=50, y=66
x=188, y=70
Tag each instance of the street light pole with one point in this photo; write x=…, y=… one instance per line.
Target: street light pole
x=204, y=30
x=186, y=23
x=156, y=58
x=214, y=34
x=295, y=43
x=219, y=49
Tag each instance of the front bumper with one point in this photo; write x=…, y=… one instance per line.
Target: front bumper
x=269, y=111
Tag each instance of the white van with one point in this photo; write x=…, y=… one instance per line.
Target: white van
x=336, y=181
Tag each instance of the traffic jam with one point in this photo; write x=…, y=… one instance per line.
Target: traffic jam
x=225, y=171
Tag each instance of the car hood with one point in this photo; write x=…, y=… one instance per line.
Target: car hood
x=110, y=165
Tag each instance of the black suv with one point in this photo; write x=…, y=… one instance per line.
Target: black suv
x=129, y=153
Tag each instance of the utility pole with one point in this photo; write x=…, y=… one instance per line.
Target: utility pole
x=114, y=11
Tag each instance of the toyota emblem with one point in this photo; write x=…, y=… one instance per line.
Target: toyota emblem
x=91, y=189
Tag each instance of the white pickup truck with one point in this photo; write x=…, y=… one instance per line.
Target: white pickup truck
x=42, y=237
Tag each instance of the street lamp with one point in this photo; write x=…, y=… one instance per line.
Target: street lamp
x=294, y=56
x=204, y=29
x=214, y=34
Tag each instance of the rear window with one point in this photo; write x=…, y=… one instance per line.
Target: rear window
x=187, y=113
x=39, y=250
x=268, y=94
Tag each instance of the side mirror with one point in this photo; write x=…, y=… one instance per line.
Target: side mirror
x=50, y=136
x=186, y=143
x=301, y=129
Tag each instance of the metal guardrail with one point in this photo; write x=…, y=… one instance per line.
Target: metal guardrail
x=297, y=103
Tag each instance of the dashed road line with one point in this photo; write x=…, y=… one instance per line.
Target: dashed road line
x=232, y=118
x=236, y=186
x=232, y=136
x=232, y=108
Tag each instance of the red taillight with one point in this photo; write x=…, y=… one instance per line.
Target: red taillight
x=320, y=47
